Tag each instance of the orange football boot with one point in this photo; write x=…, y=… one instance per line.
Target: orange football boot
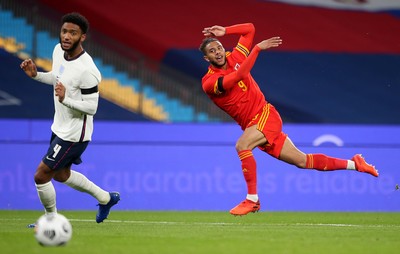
x=362, y=166
x=245, y=207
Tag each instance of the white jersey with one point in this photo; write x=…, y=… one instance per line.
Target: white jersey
x=73, y=118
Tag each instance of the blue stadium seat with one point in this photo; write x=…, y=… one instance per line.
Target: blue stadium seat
x=45, y=46
x=202, y=117
x=25, y=34
x=6, y=18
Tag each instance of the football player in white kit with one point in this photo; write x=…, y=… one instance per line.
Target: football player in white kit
x=75, y=79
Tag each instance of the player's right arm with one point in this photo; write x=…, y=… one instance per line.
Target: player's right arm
x=29, y=67
x=246, y=32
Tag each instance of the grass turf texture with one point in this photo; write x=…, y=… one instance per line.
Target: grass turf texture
x=210, y=232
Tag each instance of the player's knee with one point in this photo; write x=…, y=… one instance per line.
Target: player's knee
x=240, y=146
x=43, y=174
x=40, y=177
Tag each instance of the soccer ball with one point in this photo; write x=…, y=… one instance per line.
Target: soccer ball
x=53, y=230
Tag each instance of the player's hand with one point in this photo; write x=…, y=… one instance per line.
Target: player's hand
x=270, y=43
x=29, y=67
x=60, y=91
x=214, y=31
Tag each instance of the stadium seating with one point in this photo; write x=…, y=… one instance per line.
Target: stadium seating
x=344, y=74
x=117, y=86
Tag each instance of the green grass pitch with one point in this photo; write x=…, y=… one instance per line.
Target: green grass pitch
x=210, y=232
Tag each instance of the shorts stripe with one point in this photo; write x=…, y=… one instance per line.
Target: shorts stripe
x=263, y=118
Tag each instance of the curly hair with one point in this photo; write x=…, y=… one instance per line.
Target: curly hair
x=205, y=42
x=77, y=19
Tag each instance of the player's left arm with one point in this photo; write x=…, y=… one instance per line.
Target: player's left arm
x=219, y=84
x=226, y=82
x=90, y=95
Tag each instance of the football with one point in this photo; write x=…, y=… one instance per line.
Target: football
x=53, y=230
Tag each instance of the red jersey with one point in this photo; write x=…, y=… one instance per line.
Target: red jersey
x=234, y=90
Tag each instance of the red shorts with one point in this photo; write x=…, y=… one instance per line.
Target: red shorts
x=269, y=122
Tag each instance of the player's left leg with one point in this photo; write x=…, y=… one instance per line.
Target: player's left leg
x=81, y=183
x=292, y=155
x=71, y=154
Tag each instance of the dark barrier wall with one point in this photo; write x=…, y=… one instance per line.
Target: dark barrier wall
x=195, y=167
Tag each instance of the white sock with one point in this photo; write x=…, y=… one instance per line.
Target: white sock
x=351, y=164
x=47, y=196
x=81, y=183
x=252, y=197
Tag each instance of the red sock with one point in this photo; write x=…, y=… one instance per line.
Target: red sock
x=325, y=163
x=249, y=169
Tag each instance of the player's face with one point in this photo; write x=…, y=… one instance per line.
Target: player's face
x=71, y=38
x=215, y=54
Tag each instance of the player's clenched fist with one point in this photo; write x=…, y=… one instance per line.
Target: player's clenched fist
x=29, y=68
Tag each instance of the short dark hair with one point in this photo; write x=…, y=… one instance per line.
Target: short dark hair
x=205, y=42
x=77, y=19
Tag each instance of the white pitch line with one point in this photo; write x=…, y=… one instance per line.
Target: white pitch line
x=241, y=224
x=229, y=223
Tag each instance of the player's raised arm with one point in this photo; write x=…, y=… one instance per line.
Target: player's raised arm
x=270, y=43
x=216, y=31
x=248, y=64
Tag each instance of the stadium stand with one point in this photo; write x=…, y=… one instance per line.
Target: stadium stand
x=117, y=86
x=22, y=97
x=335, y=66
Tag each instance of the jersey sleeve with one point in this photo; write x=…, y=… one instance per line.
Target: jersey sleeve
x=45, y=77
x=232, y=78
x=246, y=32
x=211, y=84
x=90, y=95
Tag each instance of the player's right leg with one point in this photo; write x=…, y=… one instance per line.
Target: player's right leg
x=245, y=207
x=45, y=189
x=250, y=138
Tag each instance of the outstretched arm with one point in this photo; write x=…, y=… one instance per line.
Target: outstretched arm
x=270, y=43
x=234, y=77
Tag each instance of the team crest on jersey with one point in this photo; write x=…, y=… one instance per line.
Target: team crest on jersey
x=61, y=70
x=237, y=65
